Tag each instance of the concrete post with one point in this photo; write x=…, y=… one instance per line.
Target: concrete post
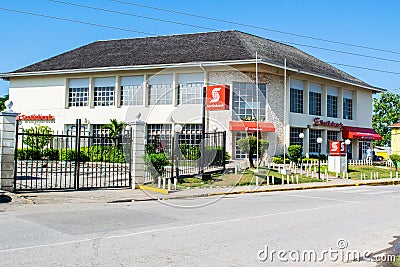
x=7, y=147
x=138, y=151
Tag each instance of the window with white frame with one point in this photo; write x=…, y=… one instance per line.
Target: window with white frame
x=100, y=135
x=296, y=96
x=312, y=141
x=294, y=136
x=132, y=90
x=159, y=135
x=160, y=89
x=248, y=101
x=240, y=154
x=78, y=92
x=314, y=100
x=332, y=102
x=347, y=105
x=190, y=90
x=104, y=91
x=191, y=134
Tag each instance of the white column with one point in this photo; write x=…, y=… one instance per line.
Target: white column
x=7, y=148
x=138, y=151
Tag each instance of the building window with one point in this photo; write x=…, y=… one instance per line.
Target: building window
x=331, y=136
x=191, y=134
x=104, y=91
x=332, y=106
x=314, y=99
x=315, y=103
x=248, y=101
x=190, y=88
x=240, y=154
x=132, y=91
x=332, y=102
x=159, y=136
x=312, y=141
x=78, y=93
x=294, y=136
x=100, y=135
x=296, y=96
x=347, y=108
x=160, y=90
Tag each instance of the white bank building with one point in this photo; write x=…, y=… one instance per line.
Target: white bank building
x=278, y=93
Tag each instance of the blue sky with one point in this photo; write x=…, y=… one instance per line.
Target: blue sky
x=27, y=39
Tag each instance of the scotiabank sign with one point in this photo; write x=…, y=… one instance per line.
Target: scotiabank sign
x=37, y=117
x=217, y=97
x=337, y=148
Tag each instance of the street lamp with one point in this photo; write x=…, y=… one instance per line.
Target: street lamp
x=301, y=136
x=347, y=142
x=319, y=141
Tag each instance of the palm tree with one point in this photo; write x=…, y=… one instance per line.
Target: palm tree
x=115, y=129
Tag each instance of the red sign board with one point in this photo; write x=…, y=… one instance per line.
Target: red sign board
x=337, y=148
x=217, y=97
x=37, y=117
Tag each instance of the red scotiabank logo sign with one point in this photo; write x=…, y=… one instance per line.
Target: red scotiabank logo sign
x=337, y=148
x=217, y=97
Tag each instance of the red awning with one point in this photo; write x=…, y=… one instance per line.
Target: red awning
x=251, y=126
x=360, y=133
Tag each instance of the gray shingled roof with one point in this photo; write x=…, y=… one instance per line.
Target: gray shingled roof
x=199, y=47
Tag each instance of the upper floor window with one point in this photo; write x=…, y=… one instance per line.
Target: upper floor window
x=78, y=92
x=132, y=90
x=315, y=99
x=296, y=96
x=248, y=101
x=190, y=90
x=332, y=102
x=104, y=91
x=347, y=105
x=160, y=89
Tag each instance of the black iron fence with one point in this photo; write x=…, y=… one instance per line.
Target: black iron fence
x=48, y=161
x=185, y=157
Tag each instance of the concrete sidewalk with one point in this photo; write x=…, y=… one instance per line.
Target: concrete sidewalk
x=131, y=195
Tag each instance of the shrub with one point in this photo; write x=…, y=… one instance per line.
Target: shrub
x=396, y=159
x=28, y=154
x=51, y=154
x=190, y=152
x=156, y=163
x=294, y=152
x=70, y=154
x=279, y=159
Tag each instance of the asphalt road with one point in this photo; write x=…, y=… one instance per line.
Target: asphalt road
x=236, y=230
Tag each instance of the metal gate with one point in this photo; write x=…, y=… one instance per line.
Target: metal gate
x=188, y=157
x=76, y=160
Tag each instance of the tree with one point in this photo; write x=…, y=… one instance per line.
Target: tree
x=249, y=145
x=395, y=159
x=115, y=129
x=2, y=100
x=38, y=137
x=386, y=113
x=294, y=152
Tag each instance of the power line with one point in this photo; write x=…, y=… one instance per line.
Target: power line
x=201, y=27
x=75, y=21
x=257, y=27
x=364, y=68
x=132, y=15
x=152, y=34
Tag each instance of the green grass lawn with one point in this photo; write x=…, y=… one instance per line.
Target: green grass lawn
x=248, y=177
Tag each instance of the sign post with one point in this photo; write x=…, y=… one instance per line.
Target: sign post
x=337, y=160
